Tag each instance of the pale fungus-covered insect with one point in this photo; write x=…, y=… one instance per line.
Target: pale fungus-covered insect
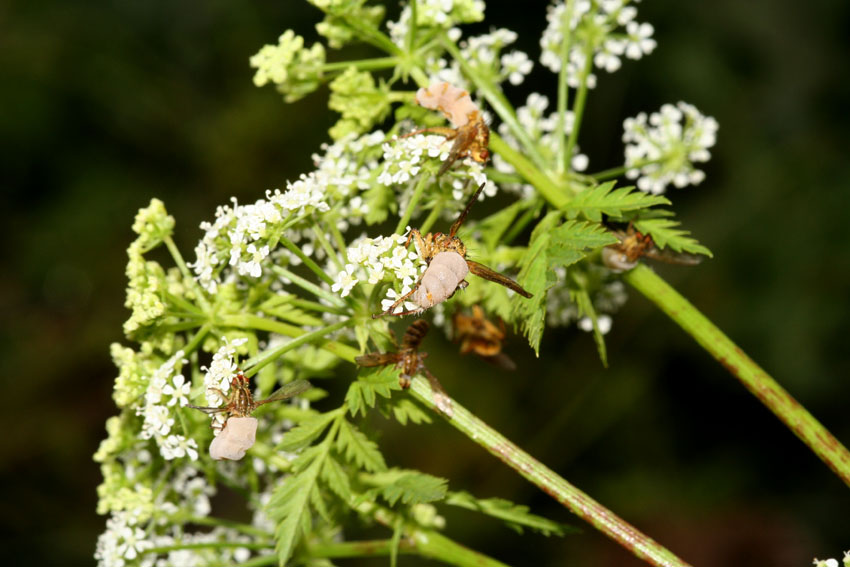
x=445, y=255
x=239, y=431
x=470, y=133
x=409, y=360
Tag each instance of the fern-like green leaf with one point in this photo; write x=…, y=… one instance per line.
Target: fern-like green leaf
x=592, y=203
x=665, y=234
x=515, y=516
x=362, y=393
x=305, y=432
x=289, y=507
x=359, y=449
x=405, y=410
x=552, y=247
x=409, y=486
x=337, y=480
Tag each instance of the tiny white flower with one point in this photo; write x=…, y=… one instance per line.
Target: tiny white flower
x=345, y=280
x=178, y=391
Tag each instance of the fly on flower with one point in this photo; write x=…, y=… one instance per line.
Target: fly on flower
x=445, y=255
x=634, y=245
x=240, y=429
x=470, y=133
x=409, y=360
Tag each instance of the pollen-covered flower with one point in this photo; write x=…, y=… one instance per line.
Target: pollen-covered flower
x=661, y=148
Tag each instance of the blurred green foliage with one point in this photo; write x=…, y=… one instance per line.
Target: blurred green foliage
x=106, y=105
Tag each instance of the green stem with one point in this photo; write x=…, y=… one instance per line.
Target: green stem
x=196, y=340
x=756, y=380
x=432, y=217
x=615, y=172
x=326, y=246
x=238, y=526
x=210, y=545
x=518, y=226
x=414, y=199
x=498, y=102
x=581, y=98
x=547, y=480
x=340, y=241
x=254, y=363
x=563, y=90
x=187, y=275
x=372, y=64
x=371, y=548
x=309, y=286
x=314, y=267
x=429, y=543
x=550, y=190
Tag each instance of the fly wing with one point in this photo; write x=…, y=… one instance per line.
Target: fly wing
x=463, y=138
x=456, y=225
x=501, y=360
x=209, y=410
x=377, y=358
x=483, y=271
x=287, y=391
x=670, y=257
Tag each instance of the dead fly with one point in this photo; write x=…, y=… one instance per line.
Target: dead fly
x=445, y=255
x=470, y=133
x=477, y=334
x=634, y=245
x=409, y=360
x=239, y=430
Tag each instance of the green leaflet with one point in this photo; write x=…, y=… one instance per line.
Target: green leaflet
x=515, y=516
x=306, y=432
x=290, y=507
x=665, y=234
x=552, y=246
x=359, y=449
x=405, y=410
x=409, y=486
x=592, y=203
x=363, y=392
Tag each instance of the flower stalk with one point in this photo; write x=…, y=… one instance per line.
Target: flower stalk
x=751, y=375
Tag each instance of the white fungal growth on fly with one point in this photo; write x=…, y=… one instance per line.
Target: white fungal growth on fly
x=442, y=278
x=238, y=435
x=455, y=103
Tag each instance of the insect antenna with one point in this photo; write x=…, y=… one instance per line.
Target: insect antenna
x=465, y=212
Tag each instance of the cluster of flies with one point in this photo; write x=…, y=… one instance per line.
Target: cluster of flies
x=445, y=273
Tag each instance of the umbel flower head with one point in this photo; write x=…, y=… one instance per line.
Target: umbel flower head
x=662, y=148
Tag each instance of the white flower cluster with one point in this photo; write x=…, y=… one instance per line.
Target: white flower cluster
x=217, y=377
x=543, y=128
x=596, y=30
x=165, y=391
x=833, y=562
x=660, y=149
x=125, y=542
x=239, y=237
x=443, y=14
x=384, y=258
x=403, y=156
x=484, y=52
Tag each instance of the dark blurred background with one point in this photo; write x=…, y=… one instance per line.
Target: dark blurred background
x=107, y=104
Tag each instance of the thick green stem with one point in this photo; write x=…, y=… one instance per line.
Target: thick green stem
x=550, y=190
x=563, y=164
x=547, y=480
x=253, y=364
x=414, y=200
x=184, y=271
x=309, y=286
x=372, y=64
x=756, y=380
x=314, y=267
x=370, y=548
x=578, y=109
